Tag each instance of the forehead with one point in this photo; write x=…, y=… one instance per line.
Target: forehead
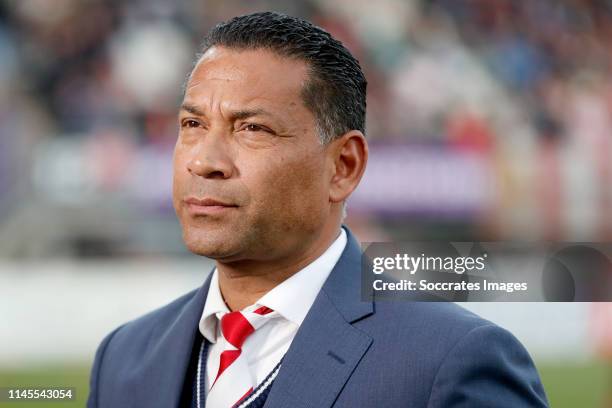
x=247, y=75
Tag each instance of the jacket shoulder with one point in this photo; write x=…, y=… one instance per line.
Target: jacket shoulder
x=126, y=346
x=427, y=330
x=460, y=356
x=429, y=318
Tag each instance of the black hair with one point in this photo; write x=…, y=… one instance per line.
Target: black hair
x=335, y=90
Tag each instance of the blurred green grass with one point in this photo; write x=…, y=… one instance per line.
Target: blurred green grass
x=568, y=385
x=581, y=385
x=75, y=376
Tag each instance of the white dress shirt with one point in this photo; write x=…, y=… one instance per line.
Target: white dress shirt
x=292, y=300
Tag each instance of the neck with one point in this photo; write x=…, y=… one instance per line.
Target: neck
x=243, y=283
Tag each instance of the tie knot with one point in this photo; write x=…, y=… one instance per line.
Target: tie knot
x=237, y=326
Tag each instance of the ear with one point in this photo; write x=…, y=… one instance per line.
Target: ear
x=349, y=154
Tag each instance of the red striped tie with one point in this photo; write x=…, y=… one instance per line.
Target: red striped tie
x=234, y=381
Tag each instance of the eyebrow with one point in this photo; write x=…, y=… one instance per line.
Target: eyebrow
x=187, y=107
x=234, y=115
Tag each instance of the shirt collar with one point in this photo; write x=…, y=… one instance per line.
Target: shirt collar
x=213, y=306
x=292, y=298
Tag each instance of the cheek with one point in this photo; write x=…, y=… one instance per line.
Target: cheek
x=179, y=176
x=293, y=188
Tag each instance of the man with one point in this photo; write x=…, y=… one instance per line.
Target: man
x=271, y=144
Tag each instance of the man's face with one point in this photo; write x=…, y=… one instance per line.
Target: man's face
x=251, y=179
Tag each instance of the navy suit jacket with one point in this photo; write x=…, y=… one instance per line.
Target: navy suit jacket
x=347, y=353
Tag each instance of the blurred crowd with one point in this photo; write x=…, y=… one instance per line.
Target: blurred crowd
x=89, y=91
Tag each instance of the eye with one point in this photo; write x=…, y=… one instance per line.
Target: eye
x=254, y=127
x=190, y=123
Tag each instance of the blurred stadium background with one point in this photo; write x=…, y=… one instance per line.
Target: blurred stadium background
x=488, y=120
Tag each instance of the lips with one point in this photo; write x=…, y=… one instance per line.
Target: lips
x=207, y=206
x=207, y=202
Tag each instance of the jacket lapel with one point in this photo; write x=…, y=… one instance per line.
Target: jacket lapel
x=326, y=348
x=172, y=353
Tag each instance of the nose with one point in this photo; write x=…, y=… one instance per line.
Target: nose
x=211, y=158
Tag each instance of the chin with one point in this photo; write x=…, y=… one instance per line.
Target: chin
x=209, y=244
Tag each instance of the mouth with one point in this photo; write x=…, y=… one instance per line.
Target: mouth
x=207, y=206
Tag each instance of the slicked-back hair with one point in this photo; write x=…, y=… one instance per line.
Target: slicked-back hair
x=335, y=90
